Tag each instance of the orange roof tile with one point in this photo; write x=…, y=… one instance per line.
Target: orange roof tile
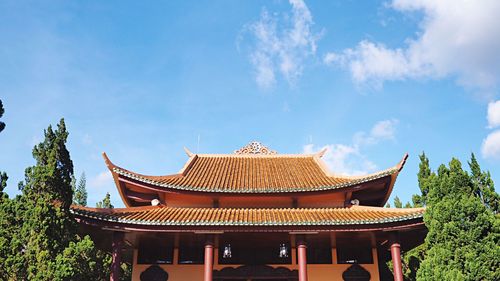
x=169, y=216
x=248, y=173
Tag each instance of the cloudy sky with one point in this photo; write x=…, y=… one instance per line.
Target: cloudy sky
x=368, y=81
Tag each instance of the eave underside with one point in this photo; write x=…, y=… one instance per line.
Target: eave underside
x=372, y=193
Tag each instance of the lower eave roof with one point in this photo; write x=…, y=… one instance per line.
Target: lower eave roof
x=170, y=216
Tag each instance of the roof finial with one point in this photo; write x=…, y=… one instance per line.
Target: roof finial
x=188, y=152
x=255, y=147
x=322, y=152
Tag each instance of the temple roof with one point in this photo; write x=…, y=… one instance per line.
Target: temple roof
x=253, y=169
x=170, y=216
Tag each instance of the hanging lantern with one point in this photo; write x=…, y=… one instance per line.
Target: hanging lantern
x=227, y=252
x=283, y=251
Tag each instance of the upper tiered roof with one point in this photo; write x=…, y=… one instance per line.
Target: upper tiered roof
x=253, y=169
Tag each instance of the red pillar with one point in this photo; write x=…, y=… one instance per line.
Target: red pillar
x=117, y=245
x=396, y=258
x=302, y=257
x=209, y=259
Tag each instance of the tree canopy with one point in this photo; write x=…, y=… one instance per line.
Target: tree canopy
x=38, y=234
x=462, y=217
x=106, y=202
x=80, y=191
x=463, y=242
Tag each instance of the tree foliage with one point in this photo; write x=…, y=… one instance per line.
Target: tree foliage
x=74, y=263
x=463, y=222
x=106, y=202
x=38, y=235
x=2, y=111
x=424, y=172
x=53, y=172
x=397, y=202
x=3, y=181
x=463, y=242
x=80, y=191
x=483, y=186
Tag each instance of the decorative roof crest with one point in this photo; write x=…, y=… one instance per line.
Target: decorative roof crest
x=255, y=147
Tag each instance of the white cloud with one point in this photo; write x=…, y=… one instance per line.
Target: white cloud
x=344, y=158
x=349, y=159
x=494, y=114
x=382, y=130
x=281, y=45
x=331, y=58
x=458, y=39
x=103, y=179
x=491, y=146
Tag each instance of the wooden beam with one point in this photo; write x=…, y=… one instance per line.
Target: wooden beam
x=140, y=197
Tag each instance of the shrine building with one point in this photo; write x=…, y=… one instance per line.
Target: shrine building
x=255, y=215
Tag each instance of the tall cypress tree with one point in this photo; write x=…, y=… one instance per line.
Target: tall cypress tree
x=80, y=193
x=424, y=173
x=463, y=241
x=483, y=186
x=40, y=241
x=53, y=172
x=397, y=202
x=48, y=226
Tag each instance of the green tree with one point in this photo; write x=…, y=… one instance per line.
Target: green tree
x=397, y=202
x=2, y=111
x=80, y=194
x=5, y=227
x=73, y=263
x=484, y=188
x=424, y=173
x=105, y=203
x=463, y=242
x=3, y=182
x=53, y=172
x=37, y=230
x=47, y=226
x=411, y=261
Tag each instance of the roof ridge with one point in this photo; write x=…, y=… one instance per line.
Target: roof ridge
x=288, y=155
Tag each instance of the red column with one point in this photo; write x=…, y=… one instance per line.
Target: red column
x=302, y=257
x=209, y=259
x=117, y=245
x=396, y=258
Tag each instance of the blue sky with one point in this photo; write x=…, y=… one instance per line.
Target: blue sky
x=370, y=81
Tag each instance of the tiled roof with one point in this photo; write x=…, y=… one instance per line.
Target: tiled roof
x=253, y=174
x=169, y=216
